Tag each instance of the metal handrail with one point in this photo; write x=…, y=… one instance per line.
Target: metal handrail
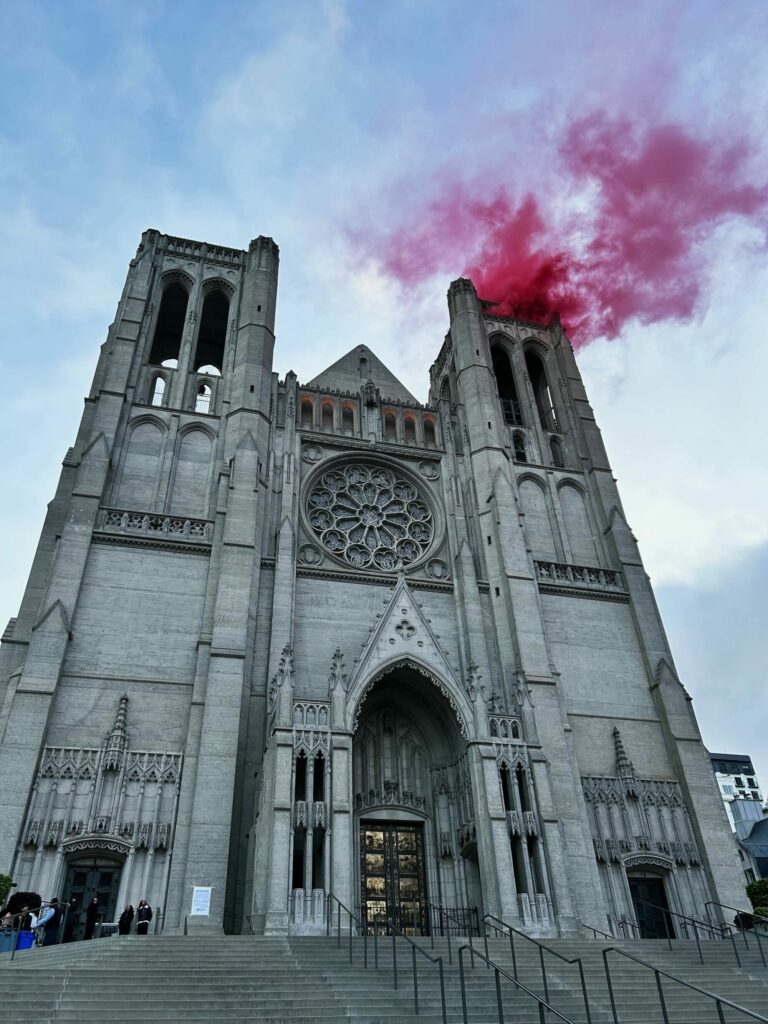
x=542, y=950
x=544, y=1006
x=362, y=924
x=714, y=932
x=19, y=916
x=720, y=1002
x=755, y=932
x=448, y=913
x=416, y=948
x=352, y=917
x=622, y=925
x=596, y=931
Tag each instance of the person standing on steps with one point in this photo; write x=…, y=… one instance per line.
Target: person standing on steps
x=143, y=917
x=91, y=917
x=49, y=922
x=72, y=910
x=126, y=920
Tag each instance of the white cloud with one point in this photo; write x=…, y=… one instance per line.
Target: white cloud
x=684, y=419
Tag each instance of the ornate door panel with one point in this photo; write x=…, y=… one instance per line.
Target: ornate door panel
x=392, y=875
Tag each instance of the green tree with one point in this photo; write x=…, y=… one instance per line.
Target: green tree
x=5, y=888
x=758, y=894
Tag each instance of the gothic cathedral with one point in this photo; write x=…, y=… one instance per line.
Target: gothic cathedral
x=306, y=642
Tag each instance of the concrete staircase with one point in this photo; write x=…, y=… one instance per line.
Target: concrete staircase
x=310, y=980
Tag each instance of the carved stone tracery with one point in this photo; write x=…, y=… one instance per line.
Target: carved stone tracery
x=369, y=516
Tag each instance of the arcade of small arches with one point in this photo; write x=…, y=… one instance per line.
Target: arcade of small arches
x=337, y=414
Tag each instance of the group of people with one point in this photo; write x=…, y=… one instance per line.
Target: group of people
x=47, y=921
x=143, y=916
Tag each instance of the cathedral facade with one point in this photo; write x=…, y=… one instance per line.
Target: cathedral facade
x=283, y=640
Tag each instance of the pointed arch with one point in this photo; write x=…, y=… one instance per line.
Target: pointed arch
x=141, y=465
x=169, y=327
x=191, y=483
x=578, y=524
x=455, y=697
x=538, y=520
x=212, y=336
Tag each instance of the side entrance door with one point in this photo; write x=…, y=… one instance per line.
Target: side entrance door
x=650, y=890
x=86, y=878
x=392, y=875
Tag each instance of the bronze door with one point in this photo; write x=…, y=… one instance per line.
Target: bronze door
x=392, y=875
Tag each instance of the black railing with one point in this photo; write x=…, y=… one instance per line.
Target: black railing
x=499, y=972
x=374, y=927
x=493, y=921
x=16, y=928
x=744, y=921
x=718, y=933
x=457, y=922
x=596, y=931
x=436, y=960
x=658, y=974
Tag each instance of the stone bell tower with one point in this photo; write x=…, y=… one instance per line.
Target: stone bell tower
x=144, y=585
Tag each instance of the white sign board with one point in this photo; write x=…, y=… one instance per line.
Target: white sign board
x=201, y=901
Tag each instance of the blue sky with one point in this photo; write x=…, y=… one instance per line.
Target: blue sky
x=305, y=120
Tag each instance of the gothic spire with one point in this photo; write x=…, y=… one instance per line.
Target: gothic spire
x=117, y=739
x=624, y=766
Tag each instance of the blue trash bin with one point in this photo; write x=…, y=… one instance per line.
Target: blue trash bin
x=26, y=940
x=6, y=940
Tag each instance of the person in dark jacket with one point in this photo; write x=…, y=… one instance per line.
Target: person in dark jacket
x=70, y=922
x=125, y=921
x=143, y=917
x=91, y=917
x=49, y=922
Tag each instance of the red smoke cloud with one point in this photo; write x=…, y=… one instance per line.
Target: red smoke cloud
x=653, y=196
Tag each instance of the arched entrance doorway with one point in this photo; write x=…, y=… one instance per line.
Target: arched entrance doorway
x=648, y=891
x=89, y=878
x=412, y=801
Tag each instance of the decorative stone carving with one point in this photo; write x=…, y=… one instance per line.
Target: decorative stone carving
x=337, y=678
x=503, y=727
x=285, y=671
x=405, y=630
x=513, y=823
x=299, y=813
x=116, y=740
x=473, y=684
x=109, y=798
x=33, y=831
x=558, y=573
x=309, y=554
x=157, y=527
x=370, y=394
x=312, y=453
x=429, y=470
x=369, y=517
x=624, y=766
x=417, y=667
x=437, y=569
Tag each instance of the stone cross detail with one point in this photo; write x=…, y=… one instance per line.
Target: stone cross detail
x=405, y=629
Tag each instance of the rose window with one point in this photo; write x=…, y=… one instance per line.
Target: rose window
x=370, y=516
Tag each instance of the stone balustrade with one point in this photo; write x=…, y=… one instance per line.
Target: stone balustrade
x=560, y=573
x=150, y=524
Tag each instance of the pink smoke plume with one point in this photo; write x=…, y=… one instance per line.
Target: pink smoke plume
x=654, y=195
